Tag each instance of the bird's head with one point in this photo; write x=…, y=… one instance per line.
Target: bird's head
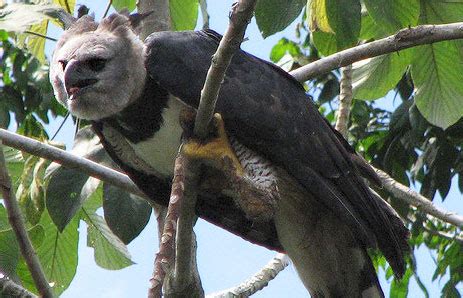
x=98, y=69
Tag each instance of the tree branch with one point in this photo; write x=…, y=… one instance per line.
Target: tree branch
x=413, y=198
x=159, y=18
x=240, y=17
x=10, y=289
x=256, y=282
x=166, y=254
x=345, y=100
x=405, y=38
x=19, y=228
x=70, y=161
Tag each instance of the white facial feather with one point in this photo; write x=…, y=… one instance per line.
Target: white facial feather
x=116, y=85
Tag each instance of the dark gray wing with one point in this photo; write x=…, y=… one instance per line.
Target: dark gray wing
x=268, y=111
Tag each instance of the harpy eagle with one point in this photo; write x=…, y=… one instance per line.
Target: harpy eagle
x=325, y=216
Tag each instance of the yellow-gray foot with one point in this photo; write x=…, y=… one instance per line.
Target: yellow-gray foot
x=257, y=202
x=216, y=149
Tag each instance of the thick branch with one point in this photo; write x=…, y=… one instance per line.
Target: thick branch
x=413, y=198
x=256, y=282
x=159, y=18
x=345, y=100
x=10, y=289
x=69, y=160
x=19, y=228
x=165, y=256
x=240, y=17
x=183, y=260
x=404, y=39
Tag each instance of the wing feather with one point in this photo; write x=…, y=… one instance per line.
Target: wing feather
x=269, y=112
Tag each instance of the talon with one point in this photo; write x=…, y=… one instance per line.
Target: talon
x=216, y=149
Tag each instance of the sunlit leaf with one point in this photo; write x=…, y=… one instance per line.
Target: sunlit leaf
x=110, y=253
x=393, y=15
x=374, y=78
x=184, y=14
x=130, y=5
x=18, y=17
x=318, y=16
x=437, y=71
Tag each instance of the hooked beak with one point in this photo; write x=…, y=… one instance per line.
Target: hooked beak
x=76, y=79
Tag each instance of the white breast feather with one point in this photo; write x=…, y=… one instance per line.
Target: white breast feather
x=160, y=150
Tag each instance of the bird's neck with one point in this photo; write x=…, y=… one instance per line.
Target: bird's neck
x=143, y=118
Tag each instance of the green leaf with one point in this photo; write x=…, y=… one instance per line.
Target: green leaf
x=32, y=43
x=374, y=78
x=57, y=254
x=273, y=16
x=369, y=29
x=15, y=164
x=9, y=252
x=283, y=47
x=184, y=14
x=344, y=22
x=393, y=15
x=344, y=18
x=124, y=4
x=69, y=188
x=436, y=71
x=110, y=252
x=399, y=289
x=119, y=204
x=68, y=5
x=63, y=195
x=325, y=42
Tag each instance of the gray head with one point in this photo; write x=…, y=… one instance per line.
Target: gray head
x=98, y=69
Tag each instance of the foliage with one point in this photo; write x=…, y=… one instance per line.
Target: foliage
x=417, y=139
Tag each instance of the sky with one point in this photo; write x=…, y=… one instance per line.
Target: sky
x=224, y=260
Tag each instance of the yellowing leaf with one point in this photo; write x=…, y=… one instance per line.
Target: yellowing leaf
x=318, y=17
x=68, y=5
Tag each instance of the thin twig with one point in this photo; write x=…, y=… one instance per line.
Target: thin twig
x=19, y=228
x=110, y=2
x=40, y=35
x=256, y=282
x=165, y=256
x=345, y=100
x=10, y=289
x=230, y=43
x=70, y=161
x=413, y=198
x=406, y=38
x=204, y=13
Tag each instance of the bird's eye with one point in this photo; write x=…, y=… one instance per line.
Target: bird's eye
x=63, y=64
x=96, y=64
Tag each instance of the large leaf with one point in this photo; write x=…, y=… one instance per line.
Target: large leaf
x=393, y=15
x=124, y=4
x=325, y=42
x=110, y=252
x=344, y=19
x=184, y=14
x=57, y=254
x=373, y=78
x=273, y=16
x=35, y=44
x=119, y=204
x=9, y=253
x=63, y=195
x=18, y=17
x=69, y=188
x=437, y=71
